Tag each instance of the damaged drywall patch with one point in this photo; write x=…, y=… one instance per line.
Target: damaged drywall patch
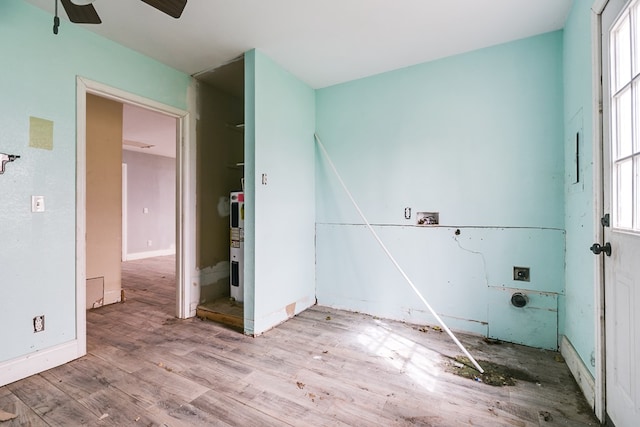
x=211, y=275
x=224, y=208
x=40, y=133
x=291, y=309
x=213, y=282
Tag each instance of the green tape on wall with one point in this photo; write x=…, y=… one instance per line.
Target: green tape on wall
x=40, y=133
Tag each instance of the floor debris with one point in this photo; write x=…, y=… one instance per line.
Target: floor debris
x=546, y=416
x=328, y=318
x=300, y=385
x=494, y=374
x=103, y=417
x=6, y=416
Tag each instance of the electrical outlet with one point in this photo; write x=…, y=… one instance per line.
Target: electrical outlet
x=38, y=323
x=521, y=274
x=149, y=243
x=37, y=203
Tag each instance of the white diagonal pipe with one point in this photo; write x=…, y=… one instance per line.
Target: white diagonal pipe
x=393, y=260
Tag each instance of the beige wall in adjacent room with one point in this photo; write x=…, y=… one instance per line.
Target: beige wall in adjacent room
x=104, y=198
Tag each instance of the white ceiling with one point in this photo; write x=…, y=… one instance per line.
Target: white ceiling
x=322, y=42
x=148, y=132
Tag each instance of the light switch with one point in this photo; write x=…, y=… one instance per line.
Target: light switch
x=37, y=203
x=145, y=210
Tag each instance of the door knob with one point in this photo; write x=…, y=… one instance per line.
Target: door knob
x=597, y=248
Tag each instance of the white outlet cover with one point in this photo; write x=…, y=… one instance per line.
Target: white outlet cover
x=37, y=203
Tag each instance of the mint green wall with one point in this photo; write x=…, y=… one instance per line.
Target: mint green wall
x=38, y=78
x=477, y=137
x=579, y=197
x=280, y=224
x=249, y=190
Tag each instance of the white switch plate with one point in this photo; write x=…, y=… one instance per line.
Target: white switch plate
x=37, y=203
x=145, y=210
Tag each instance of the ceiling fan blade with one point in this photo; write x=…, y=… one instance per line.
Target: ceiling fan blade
x=81, y=14
x=172, y=8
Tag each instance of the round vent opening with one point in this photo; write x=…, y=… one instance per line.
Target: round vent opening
x=519, y=300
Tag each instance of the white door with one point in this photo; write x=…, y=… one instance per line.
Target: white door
x=621, y=168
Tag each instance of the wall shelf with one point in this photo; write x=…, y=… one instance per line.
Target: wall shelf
x=237, y=127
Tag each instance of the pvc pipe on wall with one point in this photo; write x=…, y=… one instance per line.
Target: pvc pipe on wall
x=393, y=260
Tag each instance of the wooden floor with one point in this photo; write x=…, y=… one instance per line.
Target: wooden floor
x=323, y=368
x=223, y=310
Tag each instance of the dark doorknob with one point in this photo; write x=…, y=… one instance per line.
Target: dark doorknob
x=597, y=248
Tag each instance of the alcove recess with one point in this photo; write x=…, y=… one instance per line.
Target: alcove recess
x=219, y=169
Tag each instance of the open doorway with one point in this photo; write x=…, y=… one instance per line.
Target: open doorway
x=143, y=195
x=148, y=207
x=220, y=189
x=181, y=195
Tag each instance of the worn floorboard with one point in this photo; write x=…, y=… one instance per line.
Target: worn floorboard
x=324, y=367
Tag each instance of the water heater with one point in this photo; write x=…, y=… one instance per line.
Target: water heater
x=237, y=245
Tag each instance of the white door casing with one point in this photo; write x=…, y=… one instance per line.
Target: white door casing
x=621, y=163
x=185, y=197
x=125, y=202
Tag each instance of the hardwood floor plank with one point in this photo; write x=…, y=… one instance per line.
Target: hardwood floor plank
x=324, y=367
x=171, y=382
x=55, y=407
x=25, y=415
x=113, y=407
x=223, y=408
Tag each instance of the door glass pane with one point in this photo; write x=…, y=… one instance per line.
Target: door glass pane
x=623, y=125
x=622, y=52
x=636, y=189
x=636, y=116
x=636, y=38
x=624, y=194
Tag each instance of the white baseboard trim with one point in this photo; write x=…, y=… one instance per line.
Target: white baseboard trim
x=150, y=254
x=34, y=363
x=579, y=370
